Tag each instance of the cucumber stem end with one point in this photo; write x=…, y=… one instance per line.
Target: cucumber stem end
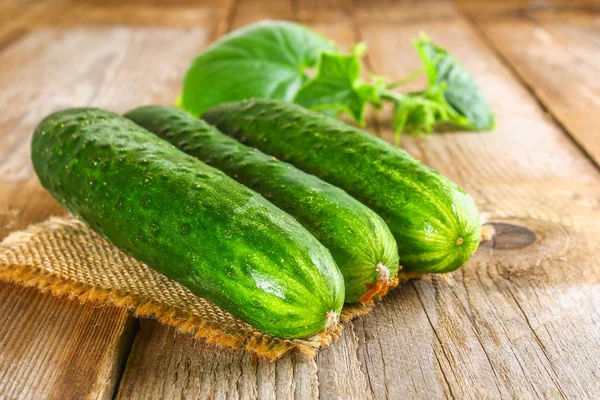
x=380, y=287
x=333, y=319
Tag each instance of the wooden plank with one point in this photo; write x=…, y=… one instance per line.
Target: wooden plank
x=19, y=18
x=403, y=11
x=556, y=53
x=50, y=347
x=164, y=364
x=178, y=13
x=9, y=10
x=516, y=6
x=247, y=12
x=56, y=349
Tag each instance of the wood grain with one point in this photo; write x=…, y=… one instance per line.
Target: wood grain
x=520, y=320
x=56, y=349
x=556, y=53
x=175, y=366
x=517, y=6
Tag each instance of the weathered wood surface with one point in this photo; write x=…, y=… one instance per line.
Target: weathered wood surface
x=57, y=349
x=514, y=322
x=556, y=53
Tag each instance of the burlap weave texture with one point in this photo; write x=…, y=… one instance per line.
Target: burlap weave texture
x=65, y=257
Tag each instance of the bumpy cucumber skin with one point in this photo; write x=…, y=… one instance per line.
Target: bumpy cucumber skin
x=189, y=221
x=358, y=239
x=435, y=223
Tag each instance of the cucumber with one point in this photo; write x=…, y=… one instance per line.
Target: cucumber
x=189, y=221
x=435, y=223
x=358, y=239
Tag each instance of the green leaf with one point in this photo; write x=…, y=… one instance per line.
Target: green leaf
x=267, y=59
x=419, y=113
x=462, y=91
x=337, y=86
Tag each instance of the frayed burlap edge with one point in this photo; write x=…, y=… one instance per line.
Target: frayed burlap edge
x=256, y=342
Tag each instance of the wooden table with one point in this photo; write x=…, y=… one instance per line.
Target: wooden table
x=518, y=321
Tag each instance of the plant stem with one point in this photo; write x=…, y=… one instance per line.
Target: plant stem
x=386, y=94
x=406, y=79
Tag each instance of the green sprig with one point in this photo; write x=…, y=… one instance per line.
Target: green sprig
x=275, y=59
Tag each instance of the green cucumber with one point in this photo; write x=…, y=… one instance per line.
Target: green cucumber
x=358, y=239
x=189, y=221
x=435, y=223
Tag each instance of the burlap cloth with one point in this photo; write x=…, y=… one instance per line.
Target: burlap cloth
x=66, y=258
